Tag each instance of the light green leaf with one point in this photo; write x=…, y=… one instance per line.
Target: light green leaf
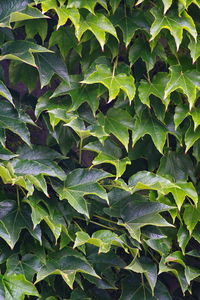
x=181, y=112
x=101, y=238
x=79, y=183
x=147, y=124
x=191, y=136
x=145, y=180
x=156, y=88
x=112, y=82
x=191, y=217
x=4, y=92
x=167, y=4
x=114, y=4
x=88, y=4
x=68, y=13
x=183, y=238
x=99, y=25
x=186, y=81
x=109, y=153
x=173, y=23
x=15, y=286
x=194, y=47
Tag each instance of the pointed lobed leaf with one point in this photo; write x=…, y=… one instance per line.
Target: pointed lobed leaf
x=173, y=23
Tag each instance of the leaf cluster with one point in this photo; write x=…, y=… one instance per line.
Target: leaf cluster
x=99, y=149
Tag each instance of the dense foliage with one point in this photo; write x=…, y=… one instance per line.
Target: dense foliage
x=99, y=149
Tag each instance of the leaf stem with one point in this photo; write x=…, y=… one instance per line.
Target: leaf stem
x=80, y=150
x=102, y=225
x=105, y=219
x=18, y=199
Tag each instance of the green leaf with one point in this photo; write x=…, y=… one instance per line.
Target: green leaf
x=186, y=81
x=181, y=112
x=191, y=217
x=23, y=73
x=33, y=27
x=112, y=82
x=38, y=152
x=63, y=13
x=139, y=214
x=183, y=238
x=15, y=286
x=147, y=124
x=89, y=4
x=79, y=183
x=147, y=267
x=80, y=94
x=21, y=51
x=101, y=238
x=4, y=92
x=7, y=8
x=194, y=48
x=13, y=220
x=117, y=122
x=10, y=119
x=132, y=289
x=27, y=14
x=37, y=167
x=176, y=165
x=156, y=88
x=28, y=265
x=191, y=136
x=145, y=180
x=99, y=25
x=109, y=153
x=167, y=4
x=114, y=4
x=49, y=64
x=66, y=263
x=66, y=40
x=173, y=23
x=39, y=214
x=129, y=23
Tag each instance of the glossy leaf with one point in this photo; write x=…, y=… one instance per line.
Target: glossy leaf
x=21, y=51
x=99, y=25
x=174, y=24
x=15, y=286
x=146, y=124
x=112, y=82
x=109, y=153
x=79, y=183
x=187, y=81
